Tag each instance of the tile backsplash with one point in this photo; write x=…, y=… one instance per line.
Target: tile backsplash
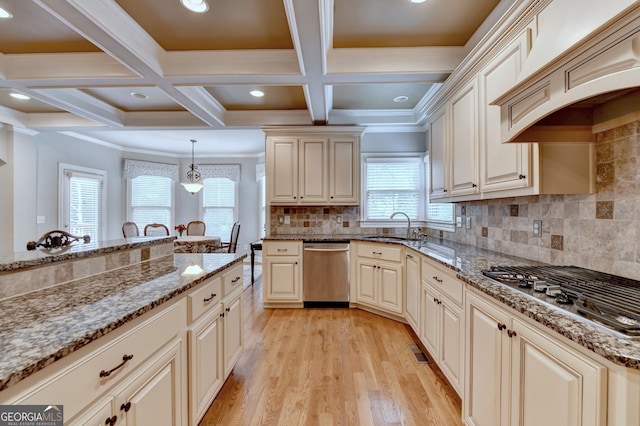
x=598, y=231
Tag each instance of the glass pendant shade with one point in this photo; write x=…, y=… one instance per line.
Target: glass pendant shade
x=192, y=187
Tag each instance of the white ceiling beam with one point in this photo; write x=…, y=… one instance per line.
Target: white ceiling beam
x=80, y=103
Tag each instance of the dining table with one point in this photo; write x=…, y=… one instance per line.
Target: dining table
x=196, y=244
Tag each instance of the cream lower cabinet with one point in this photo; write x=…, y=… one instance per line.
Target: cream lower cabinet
x=232, y=330
x=379, y=282
x=282, y=269
x=442, y=320
x=518, y=375
x=147, y=397
x=412, y=291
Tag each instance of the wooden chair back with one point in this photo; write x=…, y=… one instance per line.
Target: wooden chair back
x=196, y=227
x=130, y=229
x=156, y=230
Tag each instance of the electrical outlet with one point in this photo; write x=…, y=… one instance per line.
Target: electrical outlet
x=39, y=219
x=339, y=219
x=281, y=220
x=537, y=228
x=287, y=220
x=458, y=222
x=468, y=222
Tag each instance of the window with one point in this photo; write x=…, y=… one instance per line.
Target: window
x=219, y=206
x=393, y=184
x=151, y=200
x=83, y=203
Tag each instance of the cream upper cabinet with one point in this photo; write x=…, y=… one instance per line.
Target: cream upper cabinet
x=516, y=375
x=502, y=166
x=438, y=146
x=464, y=141
x=344, y=170
x=314, y=166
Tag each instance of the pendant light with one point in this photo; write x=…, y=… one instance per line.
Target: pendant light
x=193, y=175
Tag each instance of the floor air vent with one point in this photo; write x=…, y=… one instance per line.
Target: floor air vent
x=420, y=357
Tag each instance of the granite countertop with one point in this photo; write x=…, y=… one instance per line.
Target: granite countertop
x=38, y=328
x=469, y=261
x=40, y=256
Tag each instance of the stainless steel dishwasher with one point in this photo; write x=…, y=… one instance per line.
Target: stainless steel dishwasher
x=325, y=281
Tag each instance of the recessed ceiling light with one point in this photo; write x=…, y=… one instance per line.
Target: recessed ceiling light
x=199, y=6
x=19, y=96
x=138, y=95
x=5, y=14
x=257, y=93
x=400, y=99
x=417, y=1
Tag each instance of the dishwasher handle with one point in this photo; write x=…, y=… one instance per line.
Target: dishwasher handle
x=341, y=249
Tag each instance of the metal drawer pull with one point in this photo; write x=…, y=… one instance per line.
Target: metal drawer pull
x=125, y=358
x=209, y=299
x=512, y=333
x=501, y=326
x=435, y=277
x=283, y=249
x=235, y=279
x=410, y=256
x=111, y=420
x=377, y=252
x=126, y=407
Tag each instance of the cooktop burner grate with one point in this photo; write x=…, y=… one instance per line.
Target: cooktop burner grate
x=611, y=300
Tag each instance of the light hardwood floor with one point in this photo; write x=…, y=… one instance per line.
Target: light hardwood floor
x=329, y=367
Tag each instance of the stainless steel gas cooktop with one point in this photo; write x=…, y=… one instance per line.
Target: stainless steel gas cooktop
x=609, y=300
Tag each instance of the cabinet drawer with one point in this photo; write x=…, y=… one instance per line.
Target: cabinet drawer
x=81, y=381
x=443, y=280
x=380, y=251
x=232, y=279
x=291, y=248
x=204, y=298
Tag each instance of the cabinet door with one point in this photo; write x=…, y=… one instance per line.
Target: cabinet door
x=438, y=154
x=313, y=170
x=552, y=385
x=344, y=170
x=502, y=165
x=430, y=321
x=412, y=298
x=99, y=414
x=282, y=170
x=451, y=358
x=464, y=141
x=391, y=286
x=153, y=396
x=233, y=332
x=366, y=282
x=282, y=282
x=205, y=347
x=486, y=401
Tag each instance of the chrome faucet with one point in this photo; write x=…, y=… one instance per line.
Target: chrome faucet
x=408, y=222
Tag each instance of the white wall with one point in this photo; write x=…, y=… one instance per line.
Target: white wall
x=394, y=142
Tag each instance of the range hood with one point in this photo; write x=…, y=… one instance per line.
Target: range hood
x=569, y=97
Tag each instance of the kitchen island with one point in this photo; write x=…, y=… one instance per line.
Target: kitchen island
x=140, y=299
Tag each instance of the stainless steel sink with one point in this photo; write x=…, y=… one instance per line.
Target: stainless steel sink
x=385, y=237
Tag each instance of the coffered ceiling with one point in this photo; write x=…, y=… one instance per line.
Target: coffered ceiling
x=151, y=75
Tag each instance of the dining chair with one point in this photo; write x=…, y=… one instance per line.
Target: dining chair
x=130, y=229
x=196, y=227
x=156, y=230
x=230, y=246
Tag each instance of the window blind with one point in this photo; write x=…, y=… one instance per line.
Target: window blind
x=85, y=205
x=437, y=212
x=393, y=184
x=219, y=206
x=151, y=200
